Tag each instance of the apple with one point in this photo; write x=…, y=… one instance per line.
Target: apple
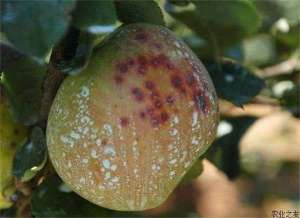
x=124, y=132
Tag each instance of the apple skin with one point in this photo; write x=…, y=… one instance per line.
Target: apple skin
x=124, y=132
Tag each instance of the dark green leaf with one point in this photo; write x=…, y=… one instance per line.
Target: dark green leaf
x=35, y=26
x=282, y=10
x=76, y=62
x=22, y=80
x=145, y=11
x=49, y=201
x=291, y=100
x=31, y=157
x=233, y=82
x=290, y=37
x=194, y=171
x=235, y=52
x=220, y=22
x=180, y=2
x=224, y=152
x=95, y=16
x=52, y=200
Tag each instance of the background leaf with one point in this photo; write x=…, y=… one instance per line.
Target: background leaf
x=31, y=157
x=132, y=11
x=219, y=22
x=22, y=79
x=233, y=82
x=35, y=26
x=224, y=152
x=78, y=58
x=53, y=199
x=95, y=16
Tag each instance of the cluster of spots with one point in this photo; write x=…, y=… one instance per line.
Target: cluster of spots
x=177, y=151
x=188, y=84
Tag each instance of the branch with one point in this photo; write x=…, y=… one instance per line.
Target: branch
x=285, y=67
x=65, y=50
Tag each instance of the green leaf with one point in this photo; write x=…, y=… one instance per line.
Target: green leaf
x=259, y=50
x=282, y=10
x=290, y=10
x=224, y=152
x=48, y=201
x=75, y=63
x=194, y=171
x=95, y=16
x=142, y=11
x=290, y=37
x=22, y=79
x=233, y=82
x=31, y=157
x=220, y=22
x=290, y=100
x=52, y=199
x=180, y=2
x=35, y=26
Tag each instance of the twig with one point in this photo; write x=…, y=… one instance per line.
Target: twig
x=285, y=67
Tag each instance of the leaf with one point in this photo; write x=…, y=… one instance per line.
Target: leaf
x=31, y=157
x=180, y=2
x=288, y=36
x=146, y=11
x=224, y=152
x=233, y=82
x=34, y=27
x=259, y=50
x=81, y=53
x=282, y=11
x=194, y=171
x=220, y=22
x=51, y=199
x=290, y=100
x=95, y=16
x=22, y=79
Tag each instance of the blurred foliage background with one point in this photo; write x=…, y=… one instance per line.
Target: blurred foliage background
x=251, y=50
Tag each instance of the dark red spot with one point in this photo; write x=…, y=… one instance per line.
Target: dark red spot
x=170, y=99
x=176, y=81
x=104, y=142
x=150, y=111
x=157, y=45
x=141, y=37
x=142, y=61
x=130, y=62
x=157, y=103
x=124, y=121
x=118, y=79
x=138, y=94
x=170, y=66
x=122, y=67
x=164, y=116
x=141, y=70
x=142, y=115
x=190, y=79
x=149, y=85
x=158, y=60
x=182, y=89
